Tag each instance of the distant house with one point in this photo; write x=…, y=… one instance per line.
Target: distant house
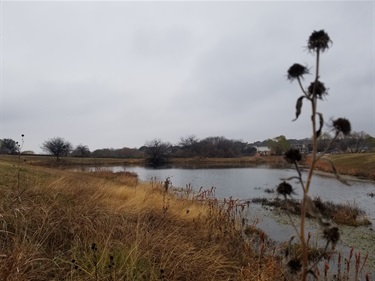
x=263, y=151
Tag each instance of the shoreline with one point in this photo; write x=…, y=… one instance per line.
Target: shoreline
x=349, y=166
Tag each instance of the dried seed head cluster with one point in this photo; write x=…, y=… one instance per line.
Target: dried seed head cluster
x=293, y=155
x=332, y=235
x=297, y=70
x=285, y=189
x=294, y=266
x=320, y=89
x=319, y=40
x=74, y=264
x=94, y=247
x=111, y=262
x=342, y=125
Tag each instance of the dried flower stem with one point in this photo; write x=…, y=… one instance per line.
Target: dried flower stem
x=309, y=177
x=300, y=84
x=319, y=41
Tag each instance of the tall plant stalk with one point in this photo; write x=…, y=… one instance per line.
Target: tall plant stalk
x=304, y=249
x=318, y=42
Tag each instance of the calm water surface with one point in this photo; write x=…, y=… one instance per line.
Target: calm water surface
x=246, y=183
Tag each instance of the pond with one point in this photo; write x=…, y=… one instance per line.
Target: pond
x=252, y=182
x=245, y=183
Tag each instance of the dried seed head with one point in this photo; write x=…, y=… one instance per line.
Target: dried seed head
x=294, y=265
x=342, y=125
x=320, y=89
x=285, y=189
x=319, y=40
x=332, y=234
x=297, y=70
x=292, y=155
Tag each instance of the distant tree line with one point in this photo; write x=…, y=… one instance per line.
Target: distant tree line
x=124, y=152
x=191, y=146
x=59, y=147
x=355, y=142
x=157, y=152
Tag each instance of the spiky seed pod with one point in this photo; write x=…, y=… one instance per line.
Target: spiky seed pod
x=320, y=89
x=285, y=189
x=297, y=70
x=342, y=125
x=294, y=265
x=319, y=40
x=331, y=234
x=293, y=155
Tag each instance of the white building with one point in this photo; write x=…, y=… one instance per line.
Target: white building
x=263, y=151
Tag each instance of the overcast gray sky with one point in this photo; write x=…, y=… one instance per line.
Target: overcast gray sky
x=118, y=74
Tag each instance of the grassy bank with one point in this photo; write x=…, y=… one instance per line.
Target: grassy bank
x=63, y=225
x=50, y=161
x=360, y=165
x=228, y=162
x=59, y=225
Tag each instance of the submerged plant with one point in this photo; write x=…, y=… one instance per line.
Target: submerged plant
x=318, y=42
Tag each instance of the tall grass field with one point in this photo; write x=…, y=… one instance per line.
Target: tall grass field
x=56, y=224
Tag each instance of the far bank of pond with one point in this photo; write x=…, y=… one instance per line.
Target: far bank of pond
x=361, y=165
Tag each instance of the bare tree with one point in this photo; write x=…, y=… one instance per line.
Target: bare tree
x=215, y=147
x=8, y=146
x=356, y=142
x=57, y=146
x=324, y=141
x=157, y=152
x=189, y=145
x=81, y=151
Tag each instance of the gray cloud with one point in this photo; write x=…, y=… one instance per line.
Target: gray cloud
x=115, y=74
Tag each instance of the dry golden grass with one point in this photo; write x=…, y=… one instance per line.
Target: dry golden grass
x=61, y=225
x=233, y=161
x=354, y=164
